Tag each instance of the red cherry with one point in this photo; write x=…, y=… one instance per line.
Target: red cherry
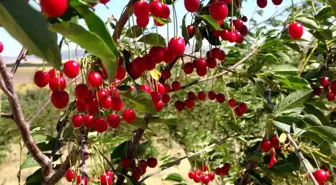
x=192, y=96
x=239, y=37
x=191, y=175
x=169, y=55
x=121, y=73
x=216, y=33
x=41, y=79
x=88, y=121
x=142, y=21
x=188, y=68
x=142, y=165
x=80, y=106
x=155, y=8
x=165, y=74
x=54, y=8
x=1, y=47
x=197, y=178
x=149, y=63
x=104, y=1
x=218, y=10
x=277, y=2
x=79, y=180
x=200, y=64
x=232, y=36
x=201, y=95
x=225, y=34
x=272, y=160
x=212, y=95
x=218, y=171
x=320, y=175
x=146, y=88
x=92, y=107
x=266, y=146
x=129, y=115
x=113, y=120
x=205, y=179
x=220, y=98
x=189, y=103
x=204, y=168
x=243, y=107
x=238, y=24
x=211, y=176
x=275, y=142
x=176, y=85
x=211, y=63
x=192, y=5
x=318, y=90
x=152, y=162
x=141, y=9
x=324, y=81
x=176, y=46
x=136, y=174
x=132, y=72
x=161, y=88
x=57, y=83
x=157, y=54
x=215, y=53
x=126, y=163
x=70, y=175
x=332, y=86
x=117, y=104
x=201, y=72
x=81, y=92
x=262, y=3
x=226, y=168
x=100, y=125
x=244, y=30
x=159, y=106
x=165, y=98
x=238, y=111
x=179, y=105
x=95, y=79
x=244, y=18
x=102, y=94
x=295, y=30
x=165, y=11
x=54, y=73
x=110, y=174
x=156, y=97
x=59, y=99
x=167, y=88
x=106, y=103
x=232, y=103
x=105, y=180
x=331, y=96
x=77, y=121
x=71, y=68
x=191, y=30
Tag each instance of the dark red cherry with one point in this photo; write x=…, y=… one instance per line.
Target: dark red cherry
x=57, y=83
x=192, y=96
x=201, y=72
x=200, y=64
x=201, y=95
x=211, y=63
x=179, y=105
x=136, y=174
x=295, y=30
x=41, y=79
x=142, y=21
x=54, y=8
x=262, y=3
x=244, y=18
x=243, y=107
x=80, y=106
x=141, y=9
x=113, y=120
x=169, y=56
x=129, y=115
x=126, y=163
x=95, y=79
x=266, y=146
x=218, y=10
x=318, y=91
x=232, y=36
x=189, y=103
x=238, y=24
x=222, y=55
x=331, y=96
x=176, y=85
x=159, y=106
x=188, y=68
x=60, y=99
x=238, y=112
x=81, y=92
x=165, y=98
x=146, y=88
x=71, y=68
x=232, y=103
x=220, y=98
x=149, y=63
x=191, y=30
x=212, y=95
x=104, y=1
x=121, y=73
x=139, y=64
x=152, y=162
x=167, y=88
x=156, y=97
x=324, y=81
x=157, y=54
x=117, y=104
x=77, y=121
x=132, y=72
x=70, y=175
x=277, y=2
x=176, y=46
x=165, y=74
x=79, y=180
x=192, y=5
x=216, y=33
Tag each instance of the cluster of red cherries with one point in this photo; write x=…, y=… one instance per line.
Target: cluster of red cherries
x=267, y=146
x=143, y=9
x=223, y=170
x=328, y=87
x=105, y=179
x=202, y=175
x=263, y=3
x=139, y=169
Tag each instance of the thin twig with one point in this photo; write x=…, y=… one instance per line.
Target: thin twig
x=7, y=116
x=20, y=57
x=303, y=160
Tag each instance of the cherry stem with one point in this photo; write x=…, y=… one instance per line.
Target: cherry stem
x=83, y=155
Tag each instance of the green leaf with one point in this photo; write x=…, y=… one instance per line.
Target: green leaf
x=174, y=177
x=35, y=178
x=30, y=28
x=326, y=132
x=282, y=57
x=141, y=100
x=282, y=126
x=29, y=162
x=293, y=100
x=211, y=22
x=290, y=120
x=199, y=39
x=96, y=25
x=153, y=39
x=89, y=41
x=134, y=32
x=184, y=29
x=307, y=22
x=333, y=5
x=325, y=13
x=311, y=109
x=311, y=120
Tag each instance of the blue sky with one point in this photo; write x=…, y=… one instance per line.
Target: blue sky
x=115, y=7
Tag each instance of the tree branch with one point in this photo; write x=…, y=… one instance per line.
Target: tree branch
x=303, y=160
x=21, y=123
x=177, y=161
x=59, y=174
x=123, y=20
